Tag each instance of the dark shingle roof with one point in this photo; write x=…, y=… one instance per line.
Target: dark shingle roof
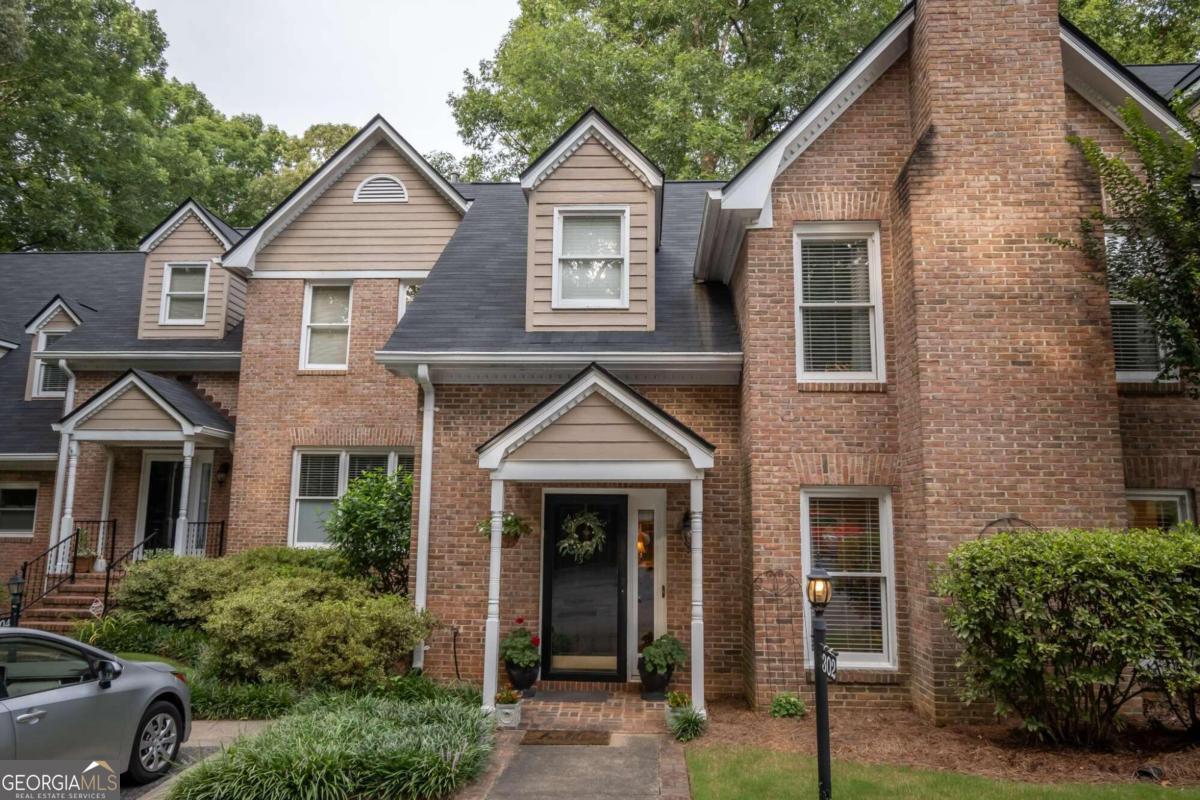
x=194, y=408
x=474, y=299
x=228, y=231
x=1167, y=79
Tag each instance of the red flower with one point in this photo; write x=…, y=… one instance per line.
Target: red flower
x=535, y=640
x=520, y=620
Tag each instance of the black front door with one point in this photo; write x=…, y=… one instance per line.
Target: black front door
x=583, y=599
x=163, y=486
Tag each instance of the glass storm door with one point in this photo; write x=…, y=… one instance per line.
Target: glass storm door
x=583, y=603
x=163, y=485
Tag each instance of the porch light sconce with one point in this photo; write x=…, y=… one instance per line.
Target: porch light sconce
x=686, y=529
x=222, y=473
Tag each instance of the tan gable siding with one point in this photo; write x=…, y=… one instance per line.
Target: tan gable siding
x=132, y=411
x=60, y=320
x=337, y=233
x=190, y=242
x=596, y=430
x=591, y=175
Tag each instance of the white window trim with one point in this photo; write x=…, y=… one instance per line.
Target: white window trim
x=305, y=325
x=889, y=660
x=841, y=230
x=164, y=300
x=358, y=198
x=1181, y=496
x=36, y=500
x=402, y=307
x=40, y=368
x=1135, y=375
x=557, y=300
x=343, y=480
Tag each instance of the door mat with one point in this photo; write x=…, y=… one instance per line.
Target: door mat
x=566, y=737
x=569, y=696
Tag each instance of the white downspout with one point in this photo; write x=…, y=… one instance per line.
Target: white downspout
x=423, y=500
x=60, y=473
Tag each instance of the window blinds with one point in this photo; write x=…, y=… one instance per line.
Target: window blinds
x=835, y=305
x=845, y=538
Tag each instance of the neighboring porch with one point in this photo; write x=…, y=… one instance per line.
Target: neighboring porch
x=596, y=449
x=147, y=469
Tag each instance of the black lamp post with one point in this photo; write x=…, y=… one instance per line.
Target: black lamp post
x=820, y=592
x=16, y=588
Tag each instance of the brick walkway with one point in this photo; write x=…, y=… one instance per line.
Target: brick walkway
x=621, y=713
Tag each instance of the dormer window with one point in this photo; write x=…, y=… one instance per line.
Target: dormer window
x=50, y=380
x=591, y=257
x=381, y=189
x=185, y=294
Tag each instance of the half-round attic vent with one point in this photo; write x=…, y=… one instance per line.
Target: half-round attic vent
x=381, y=189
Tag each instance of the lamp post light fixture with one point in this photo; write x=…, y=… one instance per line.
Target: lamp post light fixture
x=820, y=591
x=16, y=588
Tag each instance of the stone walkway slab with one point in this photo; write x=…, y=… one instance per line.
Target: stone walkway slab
x=628, y=769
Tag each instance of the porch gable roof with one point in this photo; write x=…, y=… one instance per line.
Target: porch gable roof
x=194, y=414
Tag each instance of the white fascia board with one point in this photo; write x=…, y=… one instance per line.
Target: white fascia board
x=155, y=237
x=123, y=359
x=597, y=471
x=1106, y=88
x=342, y=274
x=57, y=304
x=592, y=124
x=241, y=257
x=511, y=357
x=7, y=345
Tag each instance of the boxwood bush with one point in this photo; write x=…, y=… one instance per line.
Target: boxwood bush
x=1065, y=628
x=360, y=747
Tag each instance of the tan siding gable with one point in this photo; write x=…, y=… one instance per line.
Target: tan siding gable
x=133, y=410
x=591, y=175
x=191, y=242
x=596, y=430
x=337, y=233
x=60, y=320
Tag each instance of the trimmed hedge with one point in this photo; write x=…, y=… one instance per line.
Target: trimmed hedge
x=362, y=747
x=1065, y=628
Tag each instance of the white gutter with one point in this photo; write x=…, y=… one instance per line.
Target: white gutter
x=64, y=439
x=424, y=499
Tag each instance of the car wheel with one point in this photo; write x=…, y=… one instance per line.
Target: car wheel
x=156, y=744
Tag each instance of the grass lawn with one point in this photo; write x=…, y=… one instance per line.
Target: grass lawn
x=725, y=773
x=151, y=657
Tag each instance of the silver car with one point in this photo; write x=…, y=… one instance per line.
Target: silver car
x=62, y=699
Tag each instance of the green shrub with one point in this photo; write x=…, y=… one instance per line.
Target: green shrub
x=678, y=700
x=520, y=648
x=348, y=643
x=218, y=698
x=364, y=747
x=1064, y=628
x=146, y=588
x=370, y=527
x=123, y=631
x=415, y=686
x=689, y=724
x=788, y=704
x=663, y=653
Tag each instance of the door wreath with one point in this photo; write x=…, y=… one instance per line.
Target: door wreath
x=582, y=536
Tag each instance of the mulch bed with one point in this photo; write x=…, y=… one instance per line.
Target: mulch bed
x=993, y=751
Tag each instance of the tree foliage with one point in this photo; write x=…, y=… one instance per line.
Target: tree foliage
x=371, y=527
x=1149, y=234
x=97, y=145
x=702, y=85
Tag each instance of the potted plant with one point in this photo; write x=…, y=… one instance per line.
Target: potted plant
x=85, y=556
x=677, y=703
x=519, y=649
x=508, y=708
x=657, y=664
x=512, y=528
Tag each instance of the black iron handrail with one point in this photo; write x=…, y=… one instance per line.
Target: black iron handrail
x=49, y=570
x=202, y=539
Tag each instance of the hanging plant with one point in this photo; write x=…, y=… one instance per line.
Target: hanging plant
x=582, y=536
x=512, y=528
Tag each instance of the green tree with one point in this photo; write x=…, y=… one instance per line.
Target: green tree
x=1140, y=31
x=371, y=527
x=1149, y=233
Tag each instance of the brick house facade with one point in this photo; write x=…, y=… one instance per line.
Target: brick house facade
x=855, y=354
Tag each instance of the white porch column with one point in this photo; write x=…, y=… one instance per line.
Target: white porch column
x=67, y=526
x=698, y=595
x=491, y=630
x=101, y=563
x=181, y=524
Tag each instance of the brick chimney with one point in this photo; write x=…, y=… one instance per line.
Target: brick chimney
x=1006, y=380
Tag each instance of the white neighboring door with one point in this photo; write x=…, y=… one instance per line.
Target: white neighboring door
x=158, y=499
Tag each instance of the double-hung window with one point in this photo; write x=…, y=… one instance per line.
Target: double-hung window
x=848, y=533
x=591, y=257
x=185, y=294
x=49, y=379
x=320, y=477
x=839, y=303
x=18, y=508
x=326, y=338
x=1136, y=347
x=1162, y=508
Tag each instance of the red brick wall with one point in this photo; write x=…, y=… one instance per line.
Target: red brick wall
x=280, y=407
x=458, y=556
x=14, y=550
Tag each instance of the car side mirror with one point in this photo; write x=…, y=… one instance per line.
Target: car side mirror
x=107, y=670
